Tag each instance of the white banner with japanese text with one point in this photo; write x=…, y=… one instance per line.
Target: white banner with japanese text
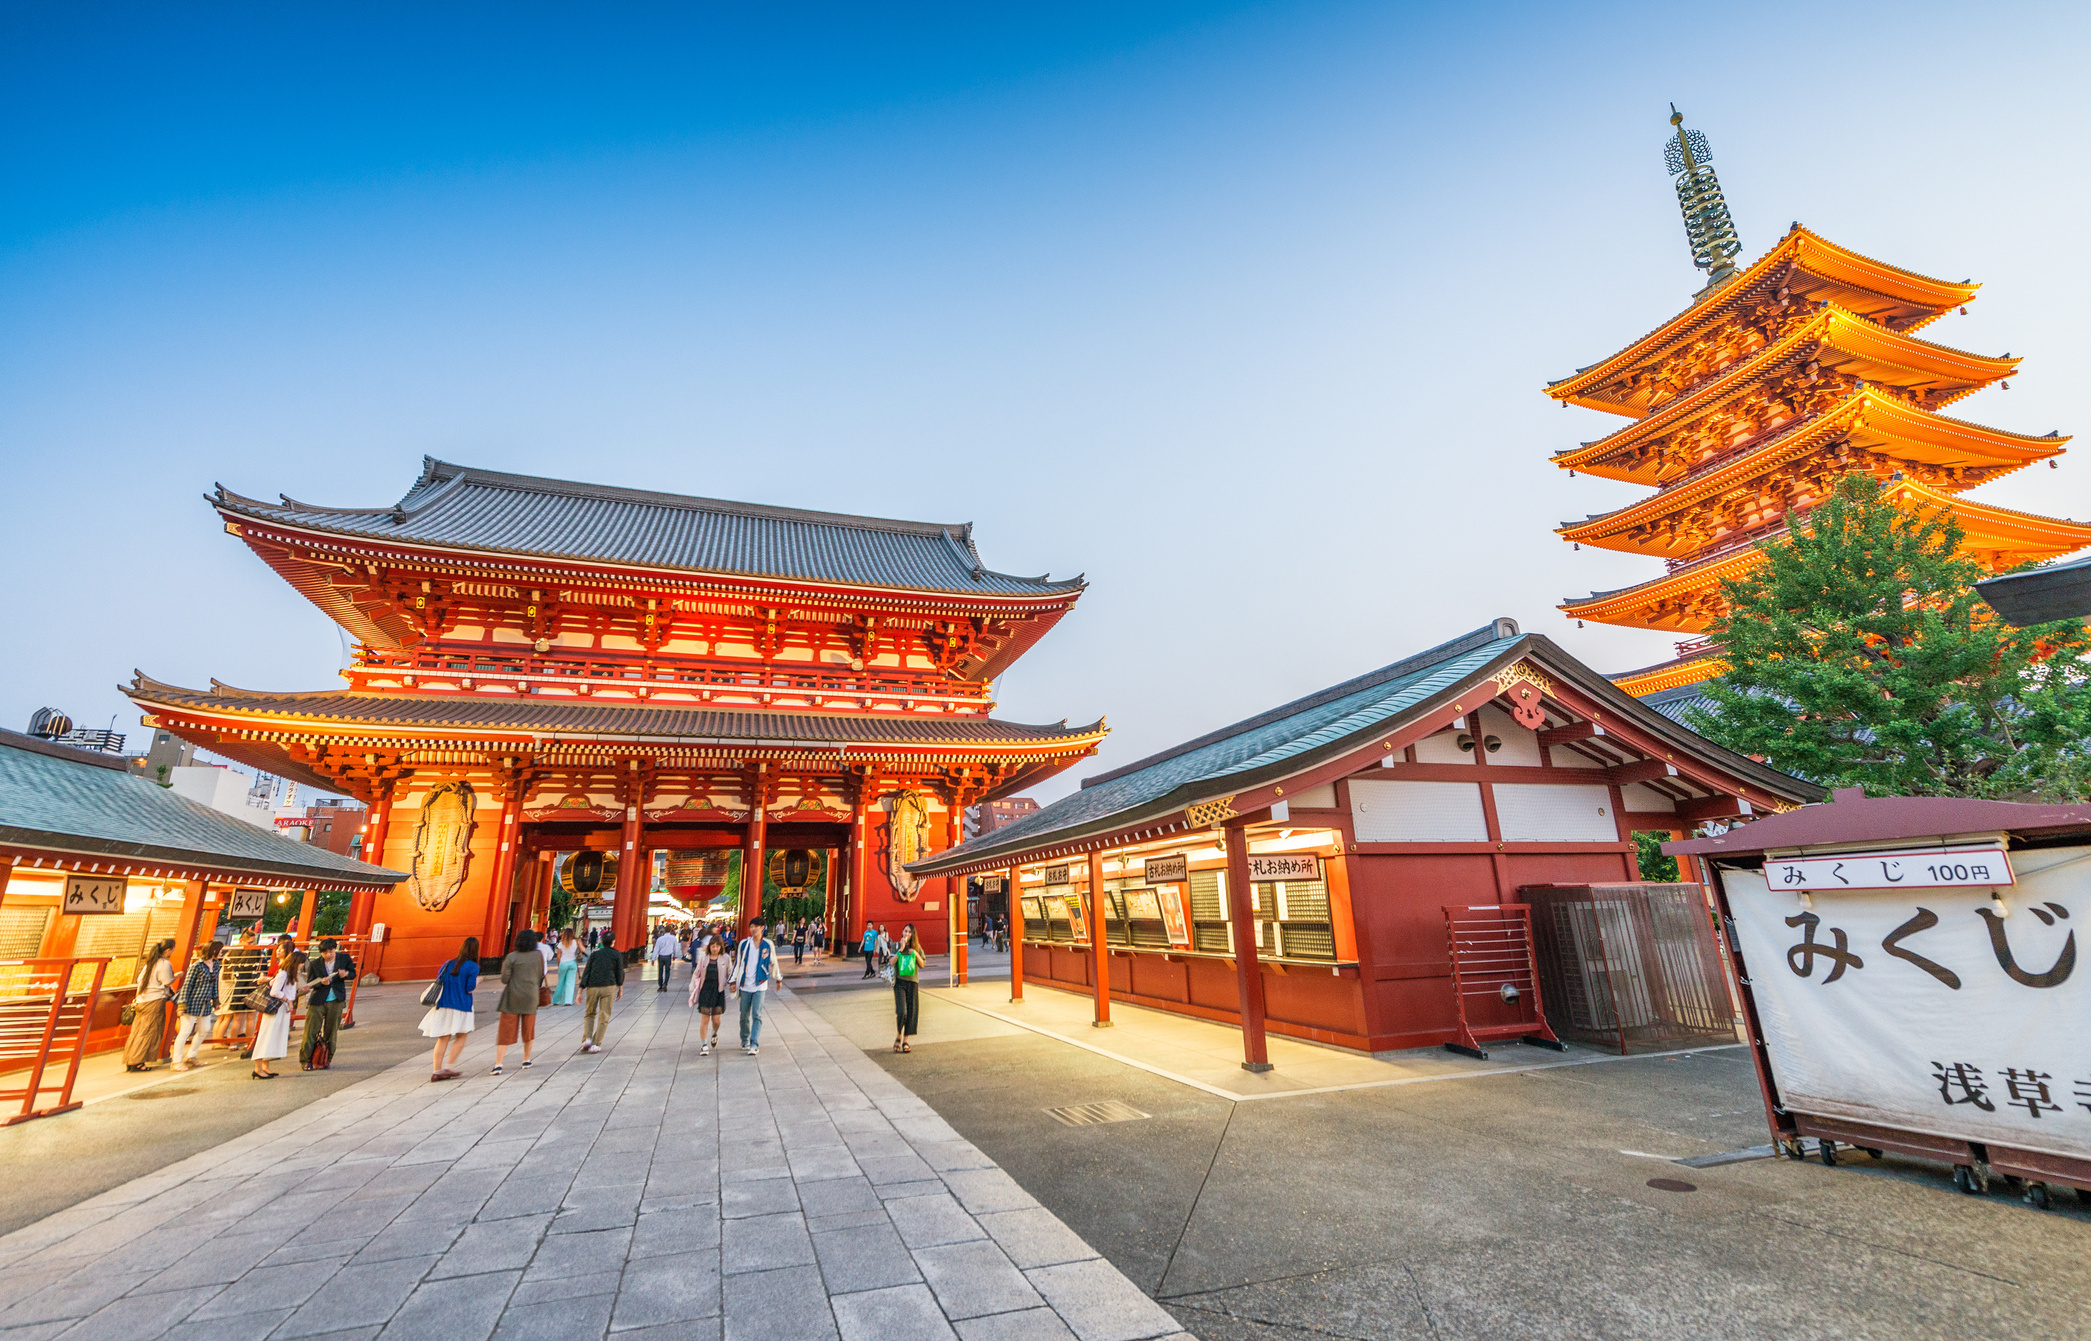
x=1935, y=1010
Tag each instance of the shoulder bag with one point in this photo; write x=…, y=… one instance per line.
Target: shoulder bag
x=434, y=992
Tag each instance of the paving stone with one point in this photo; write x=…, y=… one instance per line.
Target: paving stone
x=247, y=1325
x=1035, y=1238
x=783, y=1305
x=902, y=1313
x=74, y=1296
x=493, y=1245
x=971, y=1279
x=139, y=1316
x=1099, y=1304
x=668, y=1289
x=833, y=1196
x=868, y=1257
x=660, y=1233
x=762, y=1196
x=602, y=1252
x=1031, y=1324
x=765, y=1242
x=277, y=1287
x=415, y=1238
x=357, y=1295
x=982, y=1191
x=560, y=1318
x=458, y=1308
x=925, y=1222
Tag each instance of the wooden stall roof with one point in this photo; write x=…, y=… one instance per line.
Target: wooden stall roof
x=1342, y=719
x=1852, y=817
x=61, y=800
x=462, y=508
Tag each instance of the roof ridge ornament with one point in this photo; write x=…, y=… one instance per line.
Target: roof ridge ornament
x=1708, y=227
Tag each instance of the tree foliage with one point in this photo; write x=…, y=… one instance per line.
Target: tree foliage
x=1860, y=655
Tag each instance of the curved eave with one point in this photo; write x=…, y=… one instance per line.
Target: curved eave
x=1877, y=424
x=217, y=715
x=1987, y=526
x=1921, y=362
x=1809, y=252
x=1628, y=607
x=1671, y=675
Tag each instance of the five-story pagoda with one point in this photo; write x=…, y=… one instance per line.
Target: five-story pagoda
x=1749, y=405
x=547, y=667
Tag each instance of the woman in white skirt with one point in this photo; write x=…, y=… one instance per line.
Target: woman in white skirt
x=281, y=983
x=450, y=1019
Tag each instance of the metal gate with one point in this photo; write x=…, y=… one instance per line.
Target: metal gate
x=1632, y=967
x=46, y=1010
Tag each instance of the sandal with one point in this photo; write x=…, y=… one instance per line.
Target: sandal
x=898, y=1045
x=905, y=1047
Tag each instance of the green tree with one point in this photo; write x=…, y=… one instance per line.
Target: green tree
x=1656, y=866
x=1860, y=655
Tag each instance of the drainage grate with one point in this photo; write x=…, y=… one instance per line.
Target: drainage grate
x=1090, y=1115
x=162, y=1092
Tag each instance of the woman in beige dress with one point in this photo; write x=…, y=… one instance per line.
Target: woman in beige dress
x=149, y=1009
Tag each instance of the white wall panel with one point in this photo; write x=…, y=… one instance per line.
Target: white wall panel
x=1315, y=798
x=1639, y=798
x=1417, y=812
x=1535, y=812
x=1442, y=748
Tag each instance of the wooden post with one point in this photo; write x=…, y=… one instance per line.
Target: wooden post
x=859, y=853
x=1101, y=968
x=629, y=899
x=184, y=950
x=960, y=920
x=752, y=858
x=1016, y=938
x=308, y=913
x=1248, y=974
x=377, y=827
x=500, y=899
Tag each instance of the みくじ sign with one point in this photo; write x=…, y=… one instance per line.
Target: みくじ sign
x=1910, y=868
x=93, y=894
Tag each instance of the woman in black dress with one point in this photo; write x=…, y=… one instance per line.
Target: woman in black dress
x=708, y=991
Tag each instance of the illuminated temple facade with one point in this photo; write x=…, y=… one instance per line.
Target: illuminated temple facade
x=547, y=669
x=1745, y=409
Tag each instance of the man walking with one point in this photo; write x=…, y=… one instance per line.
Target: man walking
x=199, y=1002
x=665, y=949
x=330, y=972
x=754, y=964
x=871, y=945
x=602, y=982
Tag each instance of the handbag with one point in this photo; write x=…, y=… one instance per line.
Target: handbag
x=544, y=995
x=129, y=1012
x=433, y=994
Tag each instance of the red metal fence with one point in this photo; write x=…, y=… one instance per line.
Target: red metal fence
x=46, y=1011
x=1494, y=979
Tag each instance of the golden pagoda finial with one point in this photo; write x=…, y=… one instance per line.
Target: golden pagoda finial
x=1707, y=226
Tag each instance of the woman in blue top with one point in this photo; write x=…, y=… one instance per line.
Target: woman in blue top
x=450, y=1019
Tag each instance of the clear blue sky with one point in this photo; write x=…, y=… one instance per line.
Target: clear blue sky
x=1243, y=310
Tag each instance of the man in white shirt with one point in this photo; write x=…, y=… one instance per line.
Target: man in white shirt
x=754, y=964
x=665, y=949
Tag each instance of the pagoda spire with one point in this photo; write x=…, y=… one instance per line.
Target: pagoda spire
x=1707, y=226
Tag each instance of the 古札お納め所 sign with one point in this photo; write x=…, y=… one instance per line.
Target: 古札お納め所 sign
x=1936, y=1008
x=1906, y=868
x=1269, y=867
x=1170, y=870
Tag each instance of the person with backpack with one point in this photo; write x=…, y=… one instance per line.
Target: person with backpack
x=871, y=945
x=329, y=974
x=449, y=1016
x=754, y=965
x=798, y=945
x=602, y=982
x=708, y=983
x=907, y=990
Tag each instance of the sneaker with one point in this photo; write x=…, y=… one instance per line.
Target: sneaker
x=527, y=1064
x=753, y=1050
x=495, y=1072
x=704, y=1050
x=589, y=1047
x=182, y=1066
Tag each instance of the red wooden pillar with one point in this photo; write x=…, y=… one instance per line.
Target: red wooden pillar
x=377, y=825
x=630, y=898
x=1248, y=974
x=308, y=913
x=185, y=938
x=752, y=858
x=1101, y=969
x=857, y=856
x=958, y=923
x=493, y=939
x=1016, y=938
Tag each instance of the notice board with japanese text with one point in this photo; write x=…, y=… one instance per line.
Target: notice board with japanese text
x=1942, y=1010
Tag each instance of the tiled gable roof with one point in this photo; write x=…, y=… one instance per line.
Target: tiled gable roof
x=460, y=507
x=82, y=805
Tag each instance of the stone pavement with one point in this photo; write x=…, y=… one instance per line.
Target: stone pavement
x=639, y=1192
